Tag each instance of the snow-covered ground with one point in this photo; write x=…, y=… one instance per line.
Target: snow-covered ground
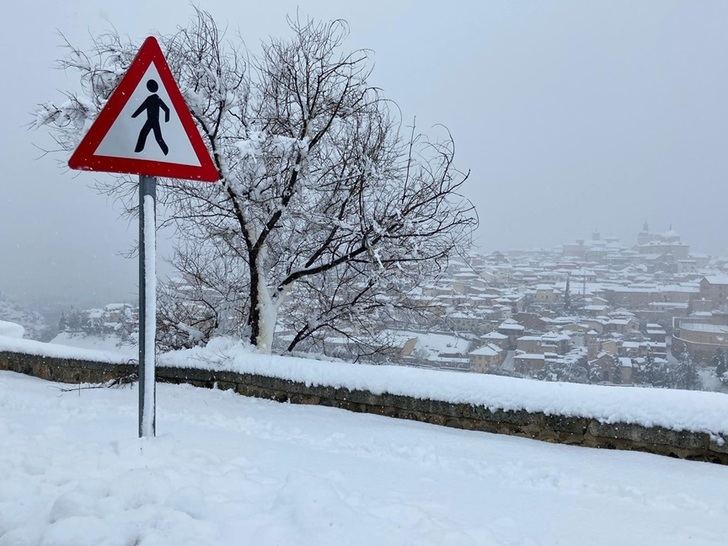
x=231, y=470
x=228, y=470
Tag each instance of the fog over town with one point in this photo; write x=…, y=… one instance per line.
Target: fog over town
x=599, y=116
x=492, y=226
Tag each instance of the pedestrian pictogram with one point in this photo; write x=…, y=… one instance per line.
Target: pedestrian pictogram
x=146, y=127
x=152, y=105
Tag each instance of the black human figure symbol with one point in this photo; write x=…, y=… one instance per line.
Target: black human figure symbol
x=152, y=104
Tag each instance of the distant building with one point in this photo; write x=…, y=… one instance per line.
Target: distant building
x=714, y=289
x=466, y=322
x=512, y=330
x=528, y=363
x=546, y=294
x=700, y=340
x=529, y=344
x=496, y=338
x=486, y=358
x=660, y=244
x=626, y=370
x=550, y=342
x=655, y=332
x=604, y=369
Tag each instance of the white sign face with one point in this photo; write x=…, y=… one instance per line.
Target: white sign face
x=148, y=127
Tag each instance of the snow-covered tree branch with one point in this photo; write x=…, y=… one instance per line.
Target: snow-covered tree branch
x=325, y=213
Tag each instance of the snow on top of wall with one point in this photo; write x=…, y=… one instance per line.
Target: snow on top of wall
x=674, y=409
x=53, y=350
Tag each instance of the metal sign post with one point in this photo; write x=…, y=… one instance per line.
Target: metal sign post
x=147, y=305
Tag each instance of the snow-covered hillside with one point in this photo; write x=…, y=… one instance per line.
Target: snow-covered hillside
x=11, y=330
x=227, y=470
x=109, y=328
x=33, y=323
x=98, y=342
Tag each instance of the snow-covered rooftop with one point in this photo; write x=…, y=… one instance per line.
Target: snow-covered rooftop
x=699, y=327
x=717, y=279
x=486, y=350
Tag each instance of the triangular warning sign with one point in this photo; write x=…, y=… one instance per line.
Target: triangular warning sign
x=145, y=127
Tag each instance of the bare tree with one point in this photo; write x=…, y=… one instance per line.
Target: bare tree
x=324, y=208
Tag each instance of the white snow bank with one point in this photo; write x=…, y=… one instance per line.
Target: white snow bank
x=674, y=409
x=28, y=346
x=228, y=470
x=11, y=329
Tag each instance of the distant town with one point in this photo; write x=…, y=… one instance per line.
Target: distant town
x=596, y=310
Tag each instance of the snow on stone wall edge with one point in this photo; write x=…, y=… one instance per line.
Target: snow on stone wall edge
x=695, y=411
x=54, y=350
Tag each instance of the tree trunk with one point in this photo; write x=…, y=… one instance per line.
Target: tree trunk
x=254, y=314
x=263, y=310
x=267, y=311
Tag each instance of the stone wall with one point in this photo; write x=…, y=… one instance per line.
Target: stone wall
x=581, y=431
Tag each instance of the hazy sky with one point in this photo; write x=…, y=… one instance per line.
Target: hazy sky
x=571, y=116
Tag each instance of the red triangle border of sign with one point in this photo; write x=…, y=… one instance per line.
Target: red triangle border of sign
x=83, y=157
